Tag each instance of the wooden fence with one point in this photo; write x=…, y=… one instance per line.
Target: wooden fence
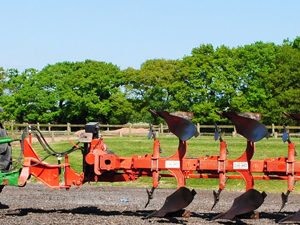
x=53, y=130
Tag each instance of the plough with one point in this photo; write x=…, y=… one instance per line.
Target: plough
x=101, y=165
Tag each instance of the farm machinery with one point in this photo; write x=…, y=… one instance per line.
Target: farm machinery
x=102, y=165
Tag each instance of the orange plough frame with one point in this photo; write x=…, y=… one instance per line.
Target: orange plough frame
x=108, y=167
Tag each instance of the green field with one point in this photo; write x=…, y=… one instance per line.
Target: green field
x=200, y=146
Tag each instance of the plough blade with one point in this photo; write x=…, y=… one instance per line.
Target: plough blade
x=284, y=199
x=245, y=203
x=150, y=196
x=291, y=218
x=180, y=199
x=184, y=129
x=216, y=198
x=247, y=127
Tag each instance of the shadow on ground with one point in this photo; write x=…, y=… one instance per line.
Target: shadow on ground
x=273, y=216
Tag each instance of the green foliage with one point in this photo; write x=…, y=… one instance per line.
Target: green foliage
x=67, y=92
x=284, y=84
x=259, y=77
x=2, y=74
x=152, y=87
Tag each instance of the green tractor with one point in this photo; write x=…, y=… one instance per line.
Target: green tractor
x=8, y=176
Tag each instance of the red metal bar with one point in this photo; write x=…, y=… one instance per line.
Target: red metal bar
x=290, y=167
x=154, y=163
x=222, y=165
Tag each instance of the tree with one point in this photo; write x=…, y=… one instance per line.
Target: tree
x=197, y=94
x=82, y=89
x=65, y=92
x=283, y=84
x=259, y=77
x=151, y=87
x=2, y=75
x=20, y=95
x=254, y=63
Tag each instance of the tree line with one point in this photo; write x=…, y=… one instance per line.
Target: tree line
x=260, y=77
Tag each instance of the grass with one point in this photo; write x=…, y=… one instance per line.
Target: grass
x=201, y=146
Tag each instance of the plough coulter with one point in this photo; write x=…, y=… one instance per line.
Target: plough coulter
x=101, y=165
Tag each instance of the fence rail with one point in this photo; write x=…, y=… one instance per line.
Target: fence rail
x=53, y=130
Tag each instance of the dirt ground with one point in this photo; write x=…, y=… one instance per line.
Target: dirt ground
x=37, y=204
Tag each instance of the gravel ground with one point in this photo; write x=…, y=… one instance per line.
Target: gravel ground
x=36, y=204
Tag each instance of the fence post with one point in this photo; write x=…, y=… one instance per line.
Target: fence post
x=68, y=130
x=234, y=131
x=198, y=128
x=12, y=126
x=130, y=126
x=161, y=128
x=52, y=136
x=274, y=133
x=38, y=126
x=49, y=127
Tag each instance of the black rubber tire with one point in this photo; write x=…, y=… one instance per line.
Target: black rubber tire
x=5, y=153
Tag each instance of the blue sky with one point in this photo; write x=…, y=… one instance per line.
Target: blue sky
x=36, y=33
